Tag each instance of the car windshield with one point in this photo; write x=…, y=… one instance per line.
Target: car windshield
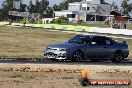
x=80, y=39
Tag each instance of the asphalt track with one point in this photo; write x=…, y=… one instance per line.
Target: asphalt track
x=99, y=63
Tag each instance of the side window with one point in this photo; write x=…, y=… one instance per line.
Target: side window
x=108, y=42
x=85, y=40
x=101, y=41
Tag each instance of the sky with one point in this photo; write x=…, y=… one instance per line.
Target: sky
x=52, y=2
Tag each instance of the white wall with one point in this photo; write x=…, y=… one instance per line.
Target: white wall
x=47, y=20
x=74, y=7
x=64, y=13
x=61, y=13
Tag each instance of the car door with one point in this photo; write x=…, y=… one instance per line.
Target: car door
x=97, y=48
x=110, y=46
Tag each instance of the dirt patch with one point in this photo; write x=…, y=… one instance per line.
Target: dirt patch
x=57, y=76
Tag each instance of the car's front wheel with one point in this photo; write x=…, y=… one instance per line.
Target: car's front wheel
x=118, y=57
x=77, y=56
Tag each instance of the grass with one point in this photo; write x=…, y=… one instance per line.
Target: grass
x=26, y=43
x=130, y=26
x=91, y=25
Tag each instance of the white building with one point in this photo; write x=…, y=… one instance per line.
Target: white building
x=47, y=20
x=86, y=10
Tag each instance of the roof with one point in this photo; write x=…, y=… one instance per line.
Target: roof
x=91, y=36
x=116, y=13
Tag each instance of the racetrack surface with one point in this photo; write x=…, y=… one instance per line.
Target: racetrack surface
x=127, y=62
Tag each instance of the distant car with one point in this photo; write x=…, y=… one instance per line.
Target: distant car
x=83, y=47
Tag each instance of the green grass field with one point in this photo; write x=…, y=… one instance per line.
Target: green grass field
x=18, y=42
x=129, y=26
x=27, y=42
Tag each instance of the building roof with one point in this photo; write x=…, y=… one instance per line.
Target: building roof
x=116, y=13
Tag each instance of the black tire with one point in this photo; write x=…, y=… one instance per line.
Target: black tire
x=78, y=56
x=118, y=57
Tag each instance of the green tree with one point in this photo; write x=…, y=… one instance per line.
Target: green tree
x=56, y=7
x=49, y=12
x=114, y=6
x=31, y=7
x=126, y=8
x=23, y=7
x=37, y=6
x=7, y=5
x=102, y=1
x=43, y=6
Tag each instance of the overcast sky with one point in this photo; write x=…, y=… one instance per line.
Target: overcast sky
x=52, y=2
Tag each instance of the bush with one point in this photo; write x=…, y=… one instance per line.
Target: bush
x=24, y=21
x=79, y=21
x=61, y=20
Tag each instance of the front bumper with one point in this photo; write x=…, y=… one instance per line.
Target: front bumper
x=60, y=55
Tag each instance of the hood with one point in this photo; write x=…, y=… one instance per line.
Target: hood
x=63, y=45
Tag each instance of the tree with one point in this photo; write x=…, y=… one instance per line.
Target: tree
x=49, y=13
x=43, y=6
x=126, y=8
x=7, y=5
x=114, y=6
x=37, y=6
x=31, y=7
x=102, y=1
x=56, y=7
x=23, y=7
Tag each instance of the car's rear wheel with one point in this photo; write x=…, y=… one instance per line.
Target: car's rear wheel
x=118, y=57
x=78, y=55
